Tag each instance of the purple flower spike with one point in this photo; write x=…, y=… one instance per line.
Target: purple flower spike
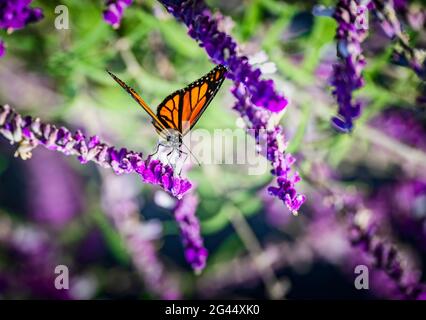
x=222, y=49
x=28, y=133
x=347, y=74
x=195, y=252
x=403, y=55
x=115, y=10
x=259, y=120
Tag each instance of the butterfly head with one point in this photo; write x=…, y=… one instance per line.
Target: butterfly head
x=173, y=139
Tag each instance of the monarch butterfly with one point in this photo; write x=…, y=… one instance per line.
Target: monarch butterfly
x=180, y=111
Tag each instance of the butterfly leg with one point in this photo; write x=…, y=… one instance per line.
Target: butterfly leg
x=159, y=144
x=169, y=162
x=184, y=160
x=156, y=150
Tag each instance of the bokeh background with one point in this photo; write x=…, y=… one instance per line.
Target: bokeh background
x=118, y=236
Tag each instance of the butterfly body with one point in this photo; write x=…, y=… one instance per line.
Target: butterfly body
x=178, y=113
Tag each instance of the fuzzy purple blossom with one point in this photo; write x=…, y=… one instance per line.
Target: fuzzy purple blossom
x=115, y=10
x=189, y=226
x=222, y=49
x=28, y=133
x=256, y=98
x=404, y=54
x=347, y=73
x=16, y=14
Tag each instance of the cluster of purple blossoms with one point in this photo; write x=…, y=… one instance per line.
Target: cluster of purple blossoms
x=347, y=74
x=28, y=133
x=16, y=14
x=115, y=10
x=195, y=252
x=256, y=98
x=404, y=55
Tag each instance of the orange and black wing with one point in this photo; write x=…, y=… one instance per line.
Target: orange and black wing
x=182, y=109
x=157, y=123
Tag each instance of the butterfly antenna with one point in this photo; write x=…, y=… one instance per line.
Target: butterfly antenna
x=190, y=152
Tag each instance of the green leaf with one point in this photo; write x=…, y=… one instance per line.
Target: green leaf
x=218, y=221
x=251, y=19
x=297, y=140
x=323, y=33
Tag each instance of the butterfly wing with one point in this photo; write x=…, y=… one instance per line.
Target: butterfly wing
x=157, y=123
x=183, y=108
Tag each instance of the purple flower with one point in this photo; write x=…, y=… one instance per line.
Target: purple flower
x=28, y=133
x=115, y=10
x=259, y=120
x=189, y=226
x=2, y=48
x=222, y=49
x=347, y=74
x=404, y=54
x=16, y=14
